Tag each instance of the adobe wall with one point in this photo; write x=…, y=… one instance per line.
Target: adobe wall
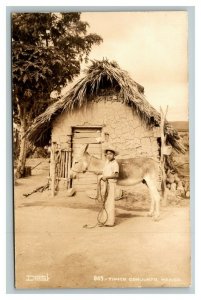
x=126, y=130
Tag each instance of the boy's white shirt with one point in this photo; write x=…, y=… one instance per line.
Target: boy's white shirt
x=110, y=168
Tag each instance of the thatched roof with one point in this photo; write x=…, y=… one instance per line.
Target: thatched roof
x=101, y=75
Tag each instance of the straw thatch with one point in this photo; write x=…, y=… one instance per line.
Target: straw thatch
x=99, y=76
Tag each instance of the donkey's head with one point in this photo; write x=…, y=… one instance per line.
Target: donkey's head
x=80, y=162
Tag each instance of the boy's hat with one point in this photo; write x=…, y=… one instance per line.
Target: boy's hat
x=111, y=148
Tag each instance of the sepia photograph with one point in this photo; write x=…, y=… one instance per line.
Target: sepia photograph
x=101, y=149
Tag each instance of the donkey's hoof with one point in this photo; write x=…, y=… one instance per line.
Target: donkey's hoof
x=156, y=218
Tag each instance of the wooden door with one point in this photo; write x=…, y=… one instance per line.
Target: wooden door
x=81, y=136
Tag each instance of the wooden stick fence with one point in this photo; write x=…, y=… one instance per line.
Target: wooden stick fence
x=59, y=167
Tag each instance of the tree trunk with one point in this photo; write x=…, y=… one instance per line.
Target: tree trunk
x=23, y=149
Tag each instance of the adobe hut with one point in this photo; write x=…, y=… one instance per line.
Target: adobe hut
x=105, y=104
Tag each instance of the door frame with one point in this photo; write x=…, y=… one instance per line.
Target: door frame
x=73, y=128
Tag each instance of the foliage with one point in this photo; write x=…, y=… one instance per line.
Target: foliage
x=47, y=49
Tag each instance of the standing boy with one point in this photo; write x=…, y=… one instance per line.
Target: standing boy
x=110, y=175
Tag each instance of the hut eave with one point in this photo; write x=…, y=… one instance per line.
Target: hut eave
x=100, y=75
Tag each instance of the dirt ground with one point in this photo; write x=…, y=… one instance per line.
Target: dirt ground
x=54, y=250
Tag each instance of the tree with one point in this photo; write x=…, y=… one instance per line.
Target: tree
x=47, y=50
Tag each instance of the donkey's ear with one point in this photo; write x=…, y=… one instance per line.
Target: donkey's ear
x=85, y=148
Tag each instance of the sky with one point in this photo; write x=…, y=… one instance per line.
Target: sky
x=152, y=47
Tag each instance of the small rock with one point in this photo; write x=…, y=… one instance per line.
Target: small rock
x=188, y=194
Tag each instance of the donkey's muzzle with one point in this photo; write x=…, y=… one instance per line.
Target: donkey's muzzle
x=72, y=174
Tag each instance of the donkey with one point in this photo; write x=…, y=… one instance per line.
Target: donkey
x=131, y=172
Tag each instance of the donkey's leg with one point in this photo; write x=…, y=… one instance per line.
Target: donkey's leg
x=157, y=204
x=152, y=206
x=155, y=198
